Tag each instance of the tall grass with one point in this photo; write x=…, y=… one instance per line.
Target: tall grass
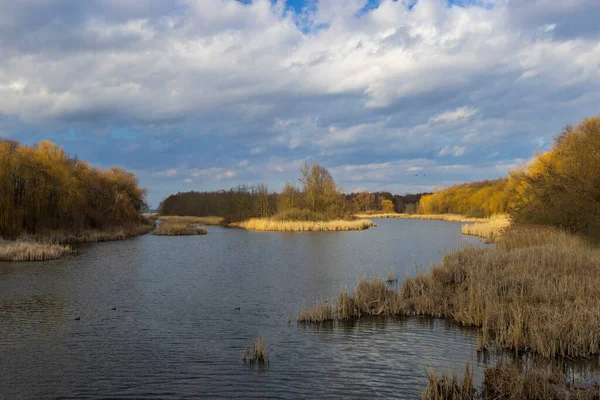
x=536, y=290
x=91, y=235
x=211, y=220
x=265, y=224
x=256, y=352
x=31, y=251
x=490, y=230
x=178, y=229
x=510, y=382
x=440, y=217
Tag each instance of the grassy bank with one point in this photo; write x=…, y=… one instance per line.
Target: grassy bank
x=266, y=224
x=179, y=229
x=91, y=235
x=212, y=220
x=538, y=290
x=437, y=217
x=31, y=251
x=490, y=230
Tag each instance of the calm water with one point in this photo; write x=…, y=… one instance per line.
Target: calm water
x=176, y=332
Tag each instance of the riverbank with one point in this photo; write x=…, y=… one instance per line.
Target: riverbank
x=210, y=220
x=267, y=224
x=490, y=230
x=537, y=290
x=437, y=217
x=53, y=245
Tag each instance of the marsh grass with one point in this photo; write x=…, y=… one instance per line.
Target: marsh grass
x=437, y=217
x=91, y=235
x=211, y=220
x=449, y=386
x=510, y=382
x=391, y=278
x=256, y=352
x=490, y=230
x=265, y=224
x=179, y=229
x=32, y=251
x=536, y=290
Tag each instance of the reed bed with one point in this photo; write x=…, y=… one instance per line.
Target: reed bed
x=32, y=251
x=265, y=224
x=509, y=382
x=536, y=290
x=179, y=229
x=211, y=220
x=449, y=386
x=256, y=352
x=437, y=217
x=490, y=230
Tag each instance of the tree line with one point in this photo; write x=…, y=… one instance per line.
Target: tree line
x=559, y=188
x=42, y=188
x=317, y=197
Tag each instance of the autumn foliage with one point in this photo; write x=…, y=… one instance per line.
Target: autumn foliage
x=43, y=189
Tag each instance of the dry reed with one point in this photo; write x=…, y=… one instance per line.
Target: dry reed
x=211, y=220
x=256, y=352
x=449, y=386
x=91, y=235
x=536, y=290
x=439, y=217
x=509, y=382
x=178, y=229
x=490, y=230
x=265, y=224
x=32, y=251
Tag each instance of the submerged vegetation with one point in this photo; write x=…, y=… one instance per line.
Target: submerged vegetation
x=256, y=352
x=179, y=229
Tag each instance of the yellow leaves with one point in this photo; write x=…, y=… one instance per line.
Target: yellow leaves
x=387, y=206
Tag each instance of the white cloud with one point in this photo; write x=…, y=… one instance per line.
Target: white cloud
x=168, y=173
x=455, y=115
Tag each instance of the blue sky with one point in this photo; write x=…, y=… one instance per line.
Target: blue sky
x=404, y=96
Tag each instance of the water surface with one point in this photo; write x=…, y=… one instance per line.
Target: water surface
x=176, y=332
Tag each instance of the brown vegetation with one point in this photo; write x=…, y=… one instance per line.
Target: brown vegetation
x=208, y=220
x=179, y=229
x=508, y=382
x=31, y=251
x=536, y=290
x=439, y=217
x=257, y=224
x=490, y=230
x=256, y=352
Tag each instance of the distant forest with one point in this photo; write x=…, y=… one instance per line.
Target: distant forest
x=319, y=198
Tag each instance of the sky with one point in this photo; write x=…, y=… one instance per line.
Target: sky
x=402, y=96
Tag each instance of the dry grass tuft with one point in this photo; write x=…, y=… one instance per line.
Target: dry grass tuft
x=32, y=251
x=391, y=278
x=491, y=230
x=179, y=229
x=212, y=220
x=256, y=352
x=265, y=224
x=536, y=290
x=439, y=217
x=509, y=382
x=449, y=386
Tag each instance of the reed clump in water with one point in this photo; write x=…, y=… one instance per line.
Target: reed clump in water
x=490, y=230
x=179, y=229
x=538, y=290
x=32, y=251
x=449, y=386
x=437, y=217
x=509, y=382
x=391, y=278
x=210, y=220
x=256, y=352
x=267, y=224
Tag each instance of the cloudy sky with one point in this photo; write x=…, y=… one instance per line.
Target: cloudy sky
x=389, y=95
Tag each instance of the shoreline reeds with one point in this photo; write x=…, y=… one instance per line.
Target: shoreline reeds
x=209, y=220
x=431, y=217
x=32, y=251
x=266, y=224
x=490, y=230
x=179, y=229
x=256, y=352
